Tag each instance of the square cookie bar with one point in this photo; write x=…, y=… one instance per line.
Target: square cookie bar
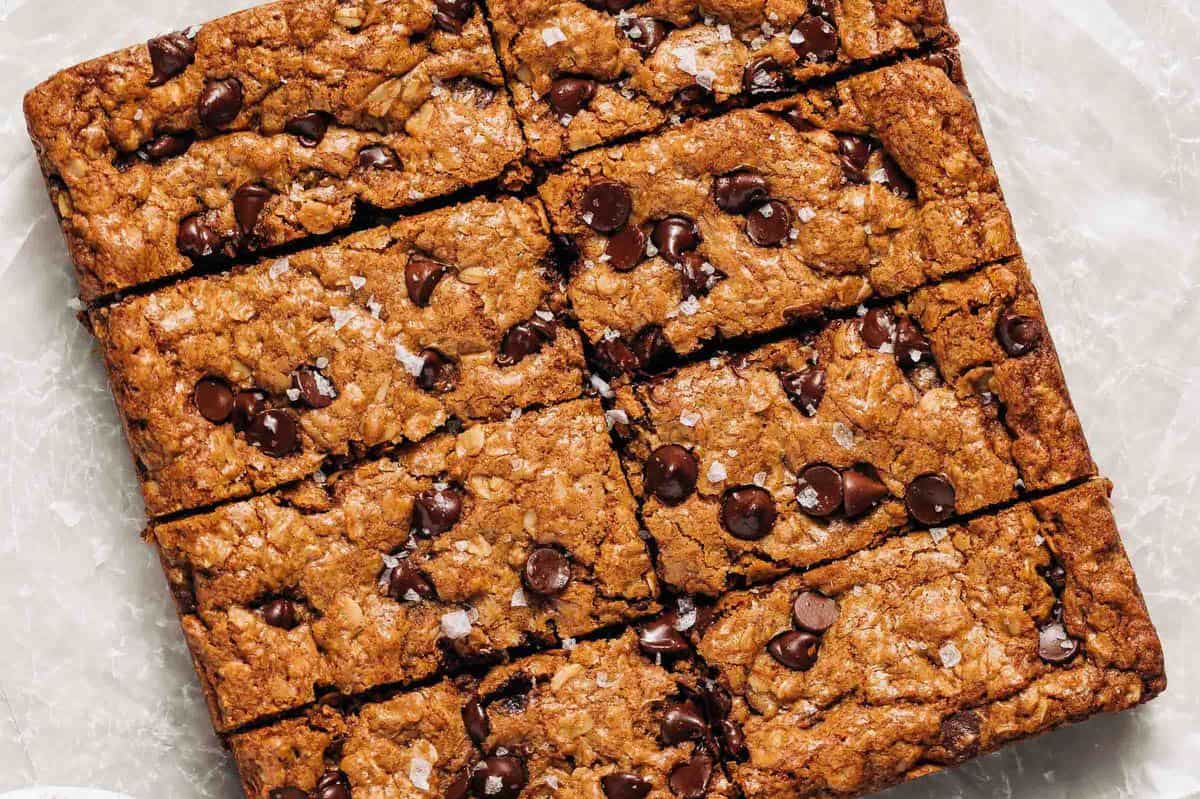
x=600, y=720
x=237, y=383
x=265, y=127
x=816, y=446
x=513, y=534
x=740, y=224
x=583, y=74
x=934, y=648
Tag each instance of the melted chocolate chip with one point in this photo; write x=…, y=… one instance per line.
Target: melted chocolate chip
x=795, y=649
x=912, y=348
x=547, y=571
x=280, y=613
x=452, y=15
x=421, y=276
x=739, y=191
x=170, y=55
x=732, y=740
x=863, y=490
x=717, y=700
x=606, y=205
x=646, y=34
x=689, y=780
x=460, y=788
x=674, y=236
x=892, y=178
x=569, y=95
x=436, y=510
x=814, y=39
x=1055, y=645
x=748, y=512
x=499, y=777
x=165, y=145
x=878, y=328
x=309, y=128
x=475, y=719
x=615, y=358
x=276, y=432
x=624, y=785
x=652, y=348
x=626, y=249
x=770, y=224
x=960, y=735
x=1018, y=335
x=438, y=371
x=697, y=276
x=220, y=102
x=670, y=474
x=930, y=498
x=814, y=612
x=819, y=490
x=332, y=785
x=683, y=721
x=197, y=238
x=247, y=404
x=659, y=637
x=524, y=339
x=855, y=152
x=376, y=156
x=693, y=95
x=316, y=390
x=1056, y=576
x=248, y=202
x=763, y=75
x=213, y=398
x=405, y=579
x=287, y=792
x=805, y=388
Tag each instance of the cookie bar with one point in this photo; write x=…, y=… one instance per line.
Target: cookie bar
x=583, y=74
x=814, y=447
x=934, y=648
x=265, y=127
x=515, y=533
x=599, y=720
x=740, y=224
x=237, y=383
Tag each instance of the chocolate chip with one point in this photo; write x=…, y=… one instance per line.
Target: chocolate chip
x=763, y=75
x=739, y=191
x=332, y=785
x=611, y=6
x=276, y=432
x=475, y=719
x=748, y=512
x=1018, y=335
x=697, y=277
x=733, y=740
x=670, y=474
x=814, y=39
x=606, y=206
x=164, y=146
x=659, y=637
x=248, y=202
x=943, y=61
x=912, y=348
x=197, y=238
x=822, y=8
x=499, y=777
x=220, y=102
x=717, y=701
x=1056, y=575
x=930, y=498
x=892, y=178
x=376, y=156
x=1054, y=644
x=646, y=34
x=623, y=785
x=615, y=358
x=452, y=15
x=316, y=390
x=855, y=152
x=674, y=236
x=626, y=249
x=547, y=571
x=819, y=490
x=795, y=649
x=960, y=734
x=460, y=788
x=683, y=721
x=652, y=348
x=692, y=95
x=247, y=404
x=280, y=613
x=689, y=780
x=863, y=490
x=213, y=398
x=438, y=371
x=524, y=339
x=878, y=328
x=436, y=510
x=309, y=128
x=421, y=276
x=805, y=388
x=405, y=579
x=170, y=55
x=770, y=224
x=287, y=792
x=814, y=612
x=569, y=95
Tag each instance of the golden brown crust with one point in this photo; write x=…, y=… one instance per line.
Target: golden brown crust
x=383, y=73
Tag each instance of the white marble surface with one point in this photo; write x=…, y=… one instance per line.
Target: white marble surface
x=1092, y=108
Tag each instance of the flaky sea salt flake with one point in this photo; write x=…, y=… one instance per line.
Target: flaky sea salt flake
x=950, y=655
x=553, y=35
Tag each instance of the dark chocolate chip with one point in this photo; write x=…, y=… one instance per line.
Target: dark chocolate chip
x=670, y=474
x=855, y=152
x=716, y=697
x=878, y=328
x=646, y=34
x=170, y=55
x=1055, y=645
x=748, y=512
x=692, y=95
x=805, y=388
x=438, y=371
x=606, y=206
x=615, y=358
x=220, y=102
x=659, y=637
x=623, y=785
x=689, y=780
x=332, y=785
x=930, y=498
x=674, y=236
x=248, y=202
x=1017, y=334
x=280, y=613
x=739, y=191
x=683, y=721
x=569, y=95
x=475, y=719
x=421, y=276
x=404, y=578
x=819, y=490
x=796, y=118
x=316, y=390
x=652, y=348
x=769, y=224
x=960, y=735
x=822, y=8
x=547, y=571
x=912, y=348
x=165, y=145
x=197, y=238
x=451, y=15
x=611, y=6
x=309, y=128
x=795, y=649
x=1056, y=575
x=626, y=249
x=213, y=398
x=499, y=777
x=814, y=612
x=814, y=39
x=892, y=178
x=697, y=276
x=376, y=156
x=732, y=740
x=436, y=510
x=460, y=788
x=863, y=490
x=524, y=339
x=763, y=75
x=287, y=792
x=276, y=432
x=247, y=404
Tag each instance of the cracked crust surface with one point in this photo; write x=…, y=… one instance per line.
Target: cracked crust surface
x=709, y=43
x=383, y=73
x=934, y=654
x=346, y=306
x=329, y=552
x=851, y=240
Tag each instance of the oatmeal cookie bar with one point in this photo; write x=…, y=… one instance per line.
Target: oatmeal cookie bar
x=585, y=73
x=265, y=127
x=511, y=534
x=816, y=446
x=934, y=648
x=600, y=720
x=233, y=384
x=740, y=224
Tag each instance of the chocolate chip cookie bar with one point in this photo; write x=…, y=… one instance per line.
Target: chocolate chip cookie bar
x=741, y=224
x=232, y=384
x=818, y=445
x=513, y=534
x=599, y=720
x=933, y=648
x=265, y=127
x=585, y=73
